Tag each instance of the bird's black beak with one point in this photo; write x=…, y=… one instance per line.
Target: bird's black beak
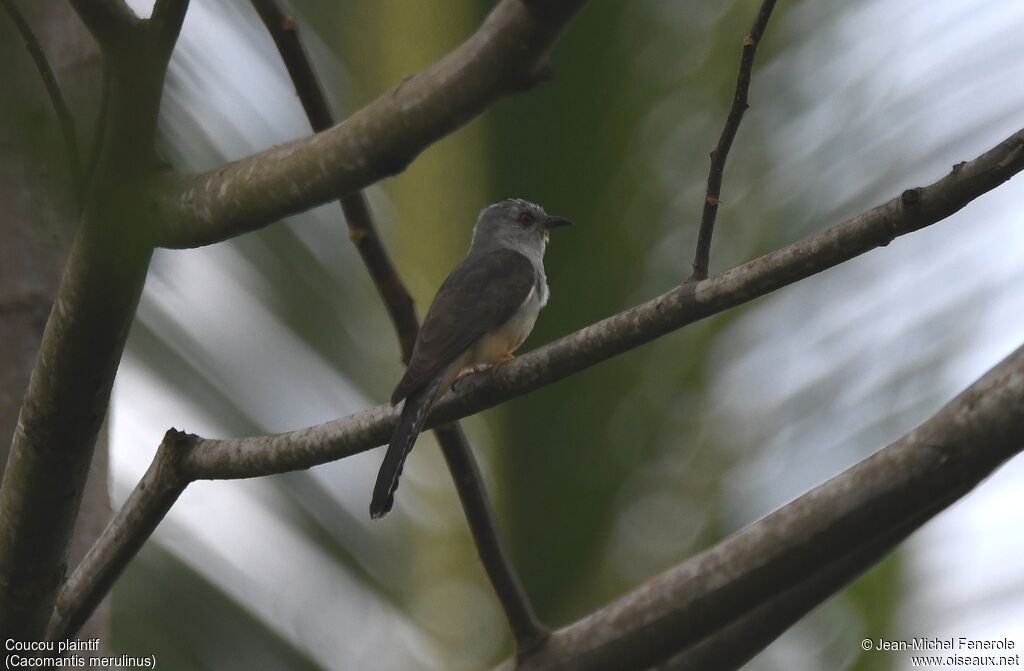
x=555, y=222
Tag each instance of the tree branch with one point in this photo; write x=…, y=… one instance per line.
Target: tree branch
x=99, y=131
x=526, y=628
x=64, y=406
x=151, y=499
x=362, y=232
x=691, y=302
x=395, y=296
x=685, y=304
x=794, y=558
x=164, y=25
x=508, y=53
x=132, y=42
x=284, y=32
x=60, y=106
x=84, y=338
x=735, y=643
x=111, y=22
x=740, y=104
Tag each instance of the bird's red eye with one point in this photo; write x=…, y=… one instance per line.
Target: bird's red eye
x=525, y=218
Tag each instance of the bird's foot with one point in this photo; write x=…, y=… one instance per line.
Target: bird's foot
x=502, y=360
x=472, y=370
x=481, y=367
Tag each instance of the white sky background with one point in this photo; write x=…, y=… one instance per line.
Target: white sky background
x=967, y=578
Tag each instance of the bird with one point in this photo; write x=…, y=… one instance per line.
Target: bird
x=481, y=314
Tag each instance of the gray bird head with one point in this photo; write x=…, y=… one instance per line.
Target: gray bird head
x=514, y=224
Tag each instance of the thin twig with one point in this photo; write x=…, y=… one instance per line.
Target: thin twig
x=264, y=455
x=702, y=257
x=529, y=632
x=526, y=627
x=60, y=106
x=395, y=296
x=283, y=30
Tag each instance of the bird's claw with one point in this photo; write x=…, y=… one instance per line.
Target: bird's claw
x=481, y=367
x=472, y=370
x=502, y=360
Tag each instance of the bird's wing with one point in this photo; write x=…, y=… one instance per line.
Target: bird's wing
x=481, y=293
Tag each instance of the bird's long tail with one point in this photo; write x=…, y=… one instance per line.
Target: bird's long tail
x=414, y=413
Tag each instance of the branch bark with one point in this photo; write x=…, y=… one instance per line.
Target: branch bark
x=111, y=22
x=794, y=558
x=527, y=630
x=263, y=455
x=64, y=406
x=151, y=499
x=720, y=153
x=70, y=385
x=508, y=53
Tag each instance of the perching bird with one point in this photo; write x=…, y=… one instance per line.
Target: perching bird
x=483, y=311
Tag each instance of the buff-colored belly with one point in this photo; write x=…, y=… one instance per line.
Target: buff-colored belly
x=505, y=339
x=493, y=346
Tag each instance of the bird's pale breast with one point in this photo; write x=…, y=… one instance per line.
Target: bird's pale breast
x=510, y=335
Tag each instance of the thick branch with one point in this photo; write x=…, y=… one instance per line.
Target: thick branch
x=914, y=209
x=733, y=644
x=111, y=22
x=808, y=549
x=165, y=24
x=81, y=348
x=526, y=628
x=508, y=53
x=740, y=104
x=61, y=416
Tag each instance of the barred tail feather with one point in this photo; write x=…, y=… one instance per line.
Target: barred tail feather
x=414, y=413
